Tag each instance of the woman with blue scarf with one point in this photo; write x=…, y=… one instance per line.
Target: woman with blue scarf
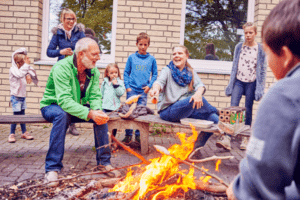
x=181, y=92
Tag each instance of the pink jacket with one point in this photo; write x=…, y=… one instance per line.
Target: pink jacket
x=17, y=76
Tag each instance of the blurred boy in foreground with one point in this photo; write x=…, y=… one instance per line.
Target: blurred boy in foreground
x=272, y=162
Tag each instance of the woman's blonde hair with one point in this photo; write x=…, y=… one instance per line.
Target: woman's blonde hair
x=110, y=65
x=19, y=59
x=191, y=84
x=67, y=11
x=250, y=24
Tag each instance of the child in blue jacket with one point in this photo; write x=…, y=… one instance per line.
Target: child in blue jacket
x=271, y=169
x=139, y=75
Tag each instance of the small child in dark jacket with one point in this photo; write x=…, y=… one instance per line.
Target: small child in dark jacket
x=139, y=75
x=271, y=169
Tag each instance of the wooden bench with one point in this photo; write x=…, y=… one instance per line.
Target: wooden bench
x=142, y=123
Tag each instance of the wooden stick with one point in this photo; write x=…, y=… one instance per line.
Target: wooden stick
x=202, y=170
x=130, y=150
x=209, y=159
x=116, y=109
x=85, y=174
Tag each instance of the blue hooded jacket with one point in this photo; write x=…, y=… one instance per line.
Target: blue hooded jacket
x=59, y=40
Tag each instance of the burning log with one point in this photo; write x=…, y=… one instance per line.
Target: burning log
x=95, y=185
x=169, y=181
x=210, y=187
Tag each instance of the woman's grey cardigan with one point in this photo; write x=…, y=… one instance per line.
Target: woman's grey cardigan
x=261, y=70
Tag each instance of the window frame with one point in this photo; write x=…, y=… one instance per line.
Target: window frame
x=210, y=66
x=105, y=58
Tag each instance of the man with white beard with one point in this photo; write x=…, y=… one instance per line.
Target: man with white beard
x=72, y=83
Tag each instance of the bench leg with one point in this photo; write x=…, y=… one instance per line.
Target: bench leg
x=144, y=130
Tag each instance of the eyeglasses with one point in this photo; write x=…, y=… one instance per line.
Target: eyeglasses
x=70, y=19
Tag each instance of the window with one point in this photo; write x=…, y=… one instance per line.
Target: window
x=210, y=30
x=101, y=16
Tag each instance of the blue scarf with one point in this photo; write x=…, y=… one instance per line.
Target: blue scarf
x=182, y=78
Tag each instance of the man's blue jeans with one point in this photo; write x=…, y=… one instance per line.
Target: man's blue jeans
x=184, y=109
x=248, y=89
x=142, y=101
x=61, y=121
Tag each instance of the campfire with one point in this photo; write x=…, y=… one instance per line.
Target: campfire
x=160, y=178
x=163, y=178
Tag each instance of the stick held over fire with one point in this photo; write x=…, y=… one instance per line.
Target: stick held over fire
x=165, y=151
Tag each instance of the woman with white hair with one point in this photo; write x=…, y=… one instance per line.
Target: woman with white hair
x=64, y=39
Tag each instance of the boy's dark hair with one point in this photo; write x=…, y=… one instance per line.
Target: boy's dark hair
x=282, y=27
x=141, y=36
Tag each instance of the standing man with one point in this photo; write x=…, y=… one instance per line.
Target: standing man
x=72, y=83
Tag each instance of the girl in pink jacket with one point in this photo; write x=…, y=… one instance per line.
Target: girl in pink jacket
x=20, y=73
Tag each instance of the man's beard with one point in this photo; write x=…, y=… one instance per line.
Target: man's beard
x=87, y=62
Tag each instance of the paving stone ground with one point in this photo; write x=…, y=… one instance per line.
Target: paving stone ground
x=25, y=159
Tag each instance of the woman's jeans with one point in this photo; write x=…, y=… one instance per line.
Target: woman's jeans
x=142, y=101
x=13, y=126
x=248, y=89
x=184, y=109
x=61, y=120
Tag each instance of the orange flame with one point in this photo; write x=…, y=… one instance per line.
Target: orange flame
x=162, y=169
x=217, y=165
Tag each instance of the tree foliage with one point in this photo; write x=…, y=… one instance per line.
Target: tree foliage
x=94, y=14
x=214, y=21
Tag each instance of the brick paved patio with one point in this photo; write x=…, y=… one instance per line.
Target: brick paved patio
x=25, y=159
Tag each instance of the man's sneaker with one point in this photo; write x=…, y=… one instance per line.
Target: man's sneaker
x=11, y=138
x=51, y=176
x=73, y=130
x=112, y=174
x=27, y=136
x=224, y=142
x=138, y=138
x=244, y=143
x=127, y=139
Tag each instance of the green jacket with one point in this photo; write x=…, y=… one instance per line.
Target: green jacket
x=110, y=95
x=63, y=89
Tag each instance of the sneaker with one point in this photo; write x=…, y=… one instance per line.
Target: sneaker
x=138, y=138
x=27, y=136
x=73, y=130
x=195, y=154
x=127, y=139
x=112, y=174
x=224, y=142
x=11, y=138
x=51, y=176
x=244, y=143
